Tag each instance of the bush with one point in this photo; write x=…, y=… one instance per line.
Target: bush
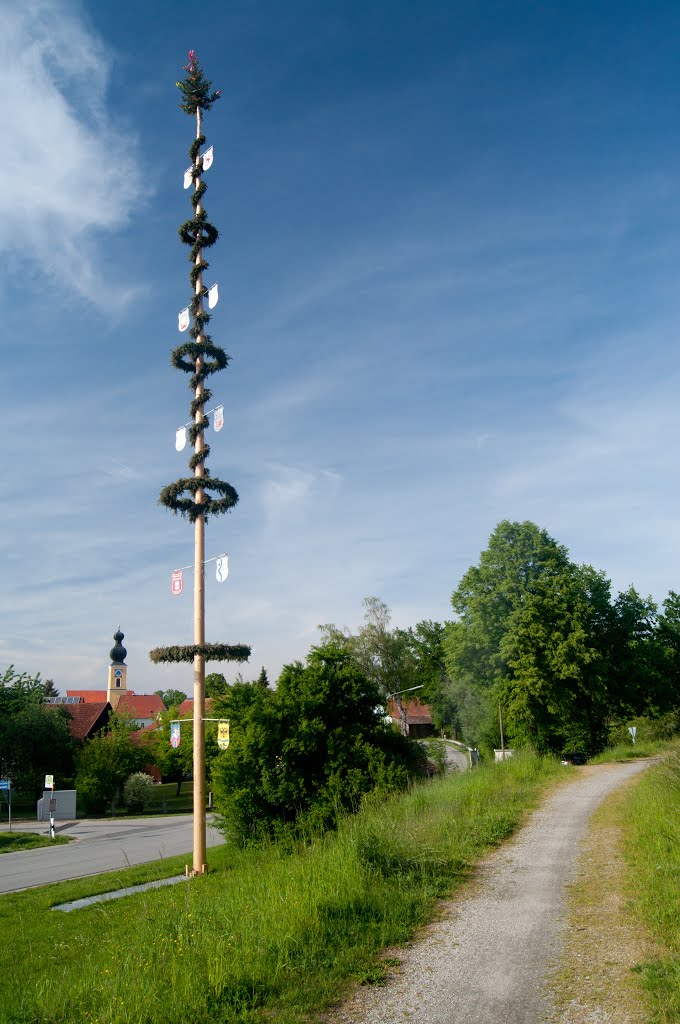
x=306, y=752
x=138, y=792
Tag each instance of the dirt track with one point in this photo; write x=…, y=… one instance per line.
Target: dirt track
x=486, y=960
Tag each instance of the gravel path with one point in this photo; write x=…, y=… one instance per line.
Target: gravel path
x=486, y=961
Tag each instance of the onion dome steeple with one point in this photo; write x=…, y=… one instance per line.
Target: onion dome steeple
x=118, y=652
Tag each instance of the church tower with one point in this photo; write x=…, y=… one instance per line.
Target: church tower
x=117, y=671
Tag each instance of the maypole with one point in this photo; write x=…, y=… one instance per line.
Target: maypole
x=193, y=496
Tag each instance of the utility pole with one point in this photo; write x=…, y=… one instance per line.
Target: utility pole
x=190, y=496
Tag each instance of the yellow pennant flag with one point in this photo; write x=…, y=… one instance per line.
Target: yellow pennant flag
x=223, y=735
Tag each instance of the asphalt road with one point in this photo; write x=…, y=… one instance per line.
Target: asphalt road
x=97, y=846
x=487, y=960
x=457, y=759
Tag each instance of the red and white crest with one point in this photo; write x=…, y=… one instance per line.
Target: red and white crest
x=218, y=418
x=208, y=159
x=183, y=319
x=176, y=585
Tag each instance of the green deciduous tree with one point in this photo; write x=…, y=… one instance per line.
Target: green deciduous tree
x=171, y=698
x=215, y=684
x=489, y=595
x=304, y=752
x=399, y=659
x=541, y=636
x=557, y=686
x=105, y=762
x=35, y=740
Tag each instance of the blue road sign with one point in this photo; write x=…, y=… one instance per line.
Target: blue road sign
x=5, y=784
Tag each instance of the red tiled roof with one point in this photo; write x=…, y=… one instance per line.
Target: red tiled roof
x=187, y=706
x=139, y=735
x=416, y=713
x=86, y=718
x=89, y=696
x=140, y=705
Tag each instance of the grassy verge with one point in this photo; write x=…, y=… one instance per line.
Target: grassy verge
x=267, y=935
x=652, y=848
x=627, y=751
x=11, y=842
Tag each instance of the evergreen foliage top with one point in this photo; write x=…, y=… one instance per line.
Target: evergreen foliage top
x=196, y=89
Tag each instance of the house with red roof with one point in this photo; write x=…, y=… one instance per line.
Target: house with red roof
x=187, y=706
x=143, y=707
x=86, y=717
x=418, y=717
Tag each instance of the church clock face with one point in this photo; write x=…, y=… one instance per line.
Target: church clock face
x=119, y=675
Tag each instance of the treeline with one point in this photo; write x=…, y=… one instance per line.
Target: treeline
x=545, y=640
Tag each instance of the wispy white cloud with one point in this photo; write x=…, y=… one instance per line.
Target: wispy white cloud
x=69, y=172
x=288, y=493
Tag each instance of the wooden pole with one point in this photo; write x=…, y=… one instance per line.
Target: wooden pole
x=199, y=598
x=500, y=718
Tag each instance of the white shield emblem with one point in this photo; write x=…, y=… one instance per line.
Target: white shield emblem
x=213, y=296
x=183, y=319
x=176, y=585
x=188, y=177
x=222, y=568
x=218, y=418
x=181, y=439
x=208, y=159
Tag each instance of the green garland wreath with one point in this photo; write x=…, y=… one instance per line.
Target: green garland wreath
x=171, y=497
x=211, y=652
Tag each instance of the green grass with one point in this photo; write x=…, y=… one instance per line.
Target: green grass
x=267, y=935
x=163, y=794
x=627, y=751
x=11, y=842
x=24, y=807
x=652, y=846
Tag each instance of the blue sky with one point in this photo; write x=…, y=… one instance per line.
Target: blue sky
x=448, y=265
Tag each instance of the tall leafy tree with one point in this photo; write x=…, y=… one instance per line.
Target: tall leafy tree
x=398, y=659
x=556, y=649
x=668, y=633
x=636, y=669
x=523, y=637
x=490, y=594
x=542, y=636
